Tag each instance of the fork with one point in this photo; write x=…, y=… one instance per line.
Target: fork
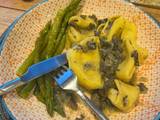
x=67, y=80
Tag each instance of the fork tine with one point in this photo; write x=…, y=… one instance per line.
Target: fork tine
x=51, y=76
x=64, y=77
x=54, y=76
x=67, y=80
x=64, y=67
x=61, y=71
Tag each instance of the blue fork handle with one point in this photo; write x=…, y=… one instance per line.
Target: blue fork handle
x=99, y=114
x=8, y=86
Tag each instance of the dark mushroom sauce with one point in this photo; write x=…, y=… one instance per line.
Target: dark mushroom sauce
x=111, y=54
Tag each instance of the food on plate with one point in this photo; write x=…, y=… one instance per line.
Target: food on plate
x=84, y=60
x=47, y=45
x=117, y=25
x=79, y=28
x=134, y=55
x=124, y=97
x=103, y=53
x=127, y=67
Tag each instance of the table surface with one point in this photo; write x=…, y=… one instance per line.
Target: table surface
x=10, y=9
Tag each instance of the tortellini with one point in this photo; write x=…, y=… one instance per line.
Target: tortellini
x=83, y=21
x=116, y=28
x=130, y=33
x=122, y=29
x=85, y=63
x=111, y=28
x=142, y=54
x=79, y=28
x=124, y=97
x=127, y=67
x=134, y=55
x=75, y=36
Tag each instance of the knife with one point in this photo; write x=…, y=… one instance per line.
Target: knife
x=34, y=72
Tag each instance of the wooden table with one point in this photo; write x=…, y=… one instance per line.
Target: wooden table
x=10, y=9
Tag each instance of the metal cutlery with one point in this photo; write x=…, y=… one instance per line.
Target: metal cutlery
x=34, y=72
x=67, y=80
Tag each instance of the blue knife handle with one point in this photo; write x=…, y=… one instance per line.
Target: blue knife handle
x=34, y=72
x=44, y=67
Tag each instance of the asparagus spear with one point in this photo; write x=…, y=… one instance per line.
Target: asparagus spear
x=51, y=46
x=24, y=90
x=41, y=85
x=38, y=94
x=53, y=34
x=58, y=95
x=30, y=60
x=48, y=101
x=73, y=5
x=60, y=44
x=49, y=95
x=70, y=8
x=41, y=43
x=44, y=83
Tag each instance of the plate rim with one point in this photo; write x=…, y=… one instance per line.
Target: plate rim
x=3, y=39
x=6, y=33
